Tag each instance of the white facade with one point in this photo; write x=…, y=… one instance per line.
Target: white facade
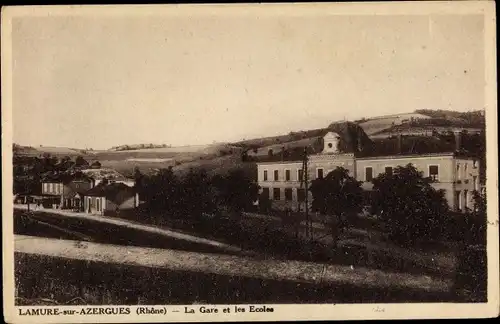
x=457, y=176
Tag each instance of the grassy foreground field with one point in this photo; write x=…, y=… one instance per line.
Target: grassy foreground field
x=43, y=280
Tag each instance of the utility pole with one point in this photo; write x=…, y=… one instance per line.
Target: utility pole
x=304, y=184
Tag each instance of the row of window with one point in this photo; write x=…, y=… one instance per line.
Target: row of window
x=463, y=200
x=288, y=194
x=465, y=169
x=320, y=172
x=53, y=188
x=287, y=175
x=433, y=173
x=97, y=203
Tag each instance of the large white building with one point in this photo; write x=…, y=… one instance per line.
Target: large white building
x=458, y=175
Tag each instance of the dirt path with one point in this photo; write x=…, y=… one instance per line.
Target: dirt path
x=297, y=271
x=134, y=225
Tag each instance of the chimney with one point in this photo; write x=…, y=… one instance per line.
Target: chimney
x=458, y=140
x=360, y=147
x=399, y=144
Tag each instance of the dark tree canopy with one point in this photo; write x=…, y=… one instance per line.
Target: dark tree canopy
x=80, y=161
x=236, y=190
x=411, y=207
x=338, y=195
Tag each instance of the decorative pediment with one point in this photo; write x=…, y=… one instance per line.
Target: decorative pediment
x=331, y=143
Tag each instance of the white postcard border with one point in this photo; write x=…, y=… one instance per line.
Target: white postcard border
x=283, y=311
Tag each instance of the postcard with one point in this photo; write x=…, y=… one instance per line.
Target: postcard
x=249, y=162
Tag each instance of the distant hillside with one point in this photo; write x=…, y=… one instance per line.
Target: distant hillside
x=51, y=150
x=424, y=122
x=425, y=131
x=282, y=147
x=376, y=124
x=470, y=118
x=138, y=147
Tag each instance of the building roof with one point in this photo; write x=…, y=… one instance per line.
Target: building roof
x=74, y=189
x=57, y=177
x=404, y=156
x=400, y=156
x=110, y=191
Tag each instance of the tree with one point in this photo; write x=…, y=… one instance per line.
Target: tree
x=81, y=162
x=471, y=270
x=65, y=159
x=161, y=192
x=138, y=177
x=409, y=205
x=264, y=202
x=244, y=156
x=477, y=220
x=339, y=196
x=236, y=190
x=49, y=162
x=197, y=195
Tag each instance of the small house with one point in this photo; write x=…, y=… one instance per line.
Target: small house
x=64, y=191
x=110, y=199
x=74, y=191
x=52, y=189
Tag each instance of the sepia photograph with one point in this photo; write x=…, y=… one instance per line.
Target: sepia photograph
x=230, y=160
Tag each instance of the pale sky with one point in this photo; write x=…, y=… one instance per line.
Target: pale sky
x=100, y=82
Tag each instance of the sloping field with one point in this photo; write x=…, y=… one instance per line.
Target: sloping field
x=46, y=280
x=53, y=150
x=264, y=151
x=273, y=140
x=126, y=167
x=175, y=149
x=185, y=157
x=218, y=165
x=377, y=124
x=180, y=153
x=206, y=149
x=374, y=126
